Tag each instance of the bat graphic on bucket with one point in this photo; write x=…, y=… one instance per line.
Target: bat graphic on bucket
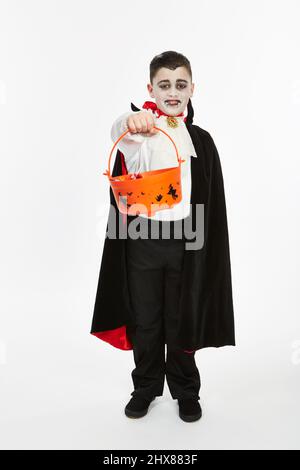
x=147, y=192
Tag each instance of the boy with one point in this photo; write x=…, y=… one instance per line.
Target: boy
x=155, y=290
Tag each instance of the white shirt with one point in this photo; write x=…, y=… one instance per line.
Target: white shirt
x=146, y=153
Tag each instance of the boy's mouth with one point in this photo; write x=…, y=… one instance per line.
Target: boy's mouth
x=172, y=103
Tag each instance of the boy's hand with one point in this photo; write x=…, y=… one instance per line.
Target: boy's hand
x=142, y=123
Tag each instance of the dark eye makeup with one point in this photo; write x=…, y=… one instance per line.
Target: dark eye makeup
x=180, y=86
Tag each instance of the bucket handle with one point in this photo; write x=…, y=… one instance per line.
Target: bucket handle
x=180, y=160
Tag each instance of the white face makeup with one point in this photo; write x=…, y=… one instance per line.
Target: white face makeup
x=171, y=90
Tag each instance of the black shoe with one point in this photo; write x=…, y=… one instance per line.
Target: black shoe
x=138, y=406
x=189, y=409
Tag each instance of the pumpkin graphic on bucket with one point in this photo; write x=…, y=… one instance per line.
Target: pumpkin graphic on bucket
x=147, y=192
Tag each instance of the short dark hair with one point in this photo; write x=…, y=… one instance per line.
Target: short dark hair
x=170, y=60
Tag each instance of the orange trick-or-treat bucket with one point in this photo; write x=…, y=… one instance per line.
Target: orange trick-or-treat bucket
x=147, y=192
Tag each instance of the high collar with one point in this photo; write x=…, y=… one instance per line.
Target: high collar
x=153, y=106
x=188, y=118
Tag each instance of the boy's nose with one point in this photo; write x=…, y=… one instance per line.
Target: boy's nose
x=173, y=92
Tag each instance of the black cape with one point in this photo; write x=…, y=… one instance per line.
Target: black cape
x=206, y=315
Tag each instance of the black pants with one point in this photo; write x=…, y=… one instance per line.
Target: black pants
x=154, y=274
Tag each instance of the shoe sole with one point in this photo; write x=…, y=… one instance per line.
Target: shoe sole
x=135, y=414
x=190, y=418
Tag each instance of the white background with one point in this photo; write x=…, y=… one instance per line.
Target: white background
x=67, y=70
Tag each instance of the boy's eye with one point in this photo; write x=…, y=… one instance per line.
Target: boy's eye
x=181, y=86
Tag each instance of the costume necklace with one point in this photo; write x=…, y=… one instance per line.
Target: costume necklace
x=172, y=121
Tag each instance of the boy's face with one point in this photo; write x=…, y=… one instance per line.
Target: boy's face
x=171, y=85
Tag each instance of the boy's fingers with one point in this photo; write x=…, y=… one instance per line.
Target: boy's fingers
x=151, y=123
x=142, y=123
x=131, y=126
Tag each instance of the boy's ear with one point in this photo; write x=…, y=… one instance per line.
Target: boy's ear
x=134, y=108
